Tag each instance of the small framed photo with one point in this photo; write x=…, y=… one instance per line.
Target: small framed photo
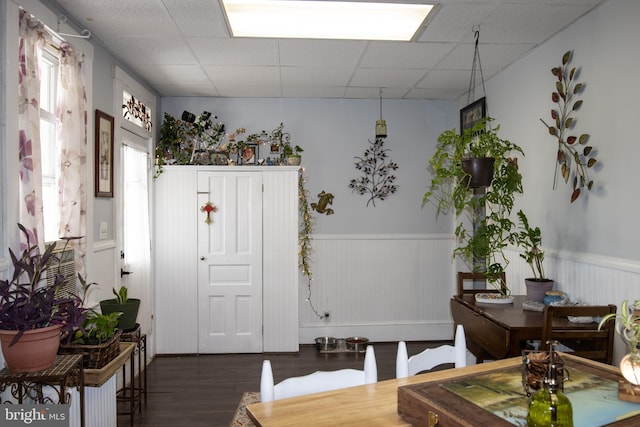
x=472, y=113
x=103, y=154
x=275, y=148
x=220, y=158
x=248, y=155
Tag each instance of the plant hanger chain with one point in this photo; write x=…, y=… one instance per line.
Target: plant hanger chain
x=477, y=65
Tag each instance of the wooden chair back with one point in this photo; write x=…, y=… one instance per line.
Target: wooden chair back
x=477, y=277
x=585, y=339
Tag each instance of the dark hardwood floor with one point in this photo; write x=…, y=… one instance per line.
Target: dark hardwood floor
x=204, y=390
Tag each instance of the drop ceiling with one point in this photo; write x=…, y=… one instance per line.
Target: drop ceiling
x=183, y=48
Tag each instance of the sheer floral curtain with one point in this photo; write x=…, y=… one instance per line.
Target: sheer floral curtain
x=31, y=37
x=71, y=134
x=71, y=116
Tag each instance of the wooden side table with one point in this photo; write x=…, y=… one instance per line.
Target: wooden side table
x=136, y=392
x=66, y=372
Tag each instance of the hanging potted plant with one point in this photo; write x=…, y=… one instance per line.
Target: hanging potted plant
x=32, y=314
x=484, y=228
x=122, y=304
x=530, y=239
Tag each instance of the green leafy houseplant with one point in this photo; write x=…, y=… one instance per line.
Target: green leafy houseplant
x=179, y=139
x=484, y=228
x=97, y=328
x=530, y=239
x=122, y=294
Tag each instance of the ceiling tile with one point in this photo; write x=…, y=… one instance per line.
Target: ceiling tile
x=178, y=74
x=174, y=44
x=250, y=76
x=320, y=53
x=383, y=78
x=207, y=22
x=315, y=76
x=404, y=55
x=210, y=51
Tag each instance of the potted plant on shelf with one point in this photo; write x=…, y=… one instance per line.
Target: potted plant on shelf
x=292, y=154
x=530, y=239
x=32, y=314
x=484, y=228
x=289, y=154
x=628, y=327
x=123, y=304
x=98, y=340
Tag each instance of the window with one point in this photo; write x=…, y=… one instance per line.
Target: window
x=49, y=149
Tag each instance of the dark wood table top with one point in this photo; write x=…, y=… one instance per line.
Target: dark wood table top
x=509, y=316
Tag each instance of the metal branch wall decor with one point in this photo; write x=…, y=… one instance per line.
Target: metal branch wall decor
x=574, y=156
x=376, y=167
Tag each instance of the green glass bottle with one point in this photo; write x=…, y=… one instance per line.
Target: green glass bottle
x=550, y=407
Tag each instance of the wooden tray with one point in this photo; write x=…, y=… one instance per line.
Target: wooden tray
x=433, y=403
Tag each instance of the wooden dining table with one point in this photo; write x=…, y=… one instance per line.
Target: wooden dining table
x=368, y=405
x=496, y=331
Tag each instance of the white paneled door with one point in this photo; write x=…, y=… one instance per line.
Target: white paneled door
x=230, y=262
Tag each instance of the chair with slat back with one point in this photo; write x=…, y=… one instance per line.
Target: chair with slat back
x=584, y=339
x=476, y=277
x=432, y=357
x=318, y=381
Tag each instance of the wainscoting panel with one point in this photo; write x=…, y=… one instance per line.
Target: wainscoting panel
x=392, y=287
x=383, y=287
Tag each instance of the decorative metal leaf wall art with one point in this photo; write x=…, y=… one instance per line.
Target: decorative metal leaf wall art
x=574, y=156
x=376, y=168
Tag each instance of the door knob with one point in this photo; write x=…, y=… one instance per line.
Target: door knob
x=202, y=258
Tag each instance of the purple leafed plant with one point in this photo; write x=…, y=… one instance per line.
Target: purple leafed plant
x=28, y=302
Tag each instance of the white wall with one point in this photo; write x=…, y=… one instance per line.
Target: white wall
x=332, y=132
x=605, y=51
x=592, y=244
x=382, y=271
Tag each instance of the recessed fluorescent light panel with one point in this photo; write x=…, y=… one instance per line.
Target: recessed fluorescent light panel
x=325, y=19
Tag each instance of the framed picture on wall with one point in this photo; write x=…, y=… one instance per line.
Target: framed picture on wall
x=472, y=113
x=104, y=155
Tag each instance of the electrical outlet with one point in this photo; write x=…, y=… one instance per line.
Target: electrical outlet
x=104, y=231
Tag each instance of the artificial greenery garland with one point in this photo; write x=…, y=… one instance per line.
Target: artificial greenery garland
x=304, y=238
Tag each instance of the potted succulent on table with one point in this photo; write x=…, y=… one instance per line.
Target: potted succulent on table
x=32, y=314
x=530, y=239
x=484, y=228
x=122, y=304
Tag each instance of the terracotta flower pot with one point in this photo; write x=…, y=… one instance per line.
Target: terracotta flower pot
x=35, y=350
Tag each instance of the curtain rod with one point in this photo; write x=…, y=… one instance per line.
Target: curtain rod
x=86, y=34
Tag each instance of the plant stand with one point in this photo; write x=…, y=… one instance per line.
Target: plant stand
x=136, y=392
x=66, y=372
